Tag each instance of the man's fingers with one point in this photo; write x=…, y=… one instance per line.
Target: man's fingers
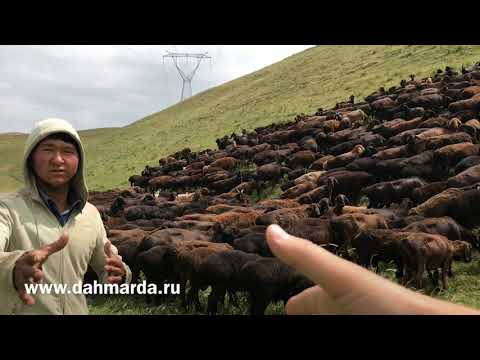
x=26, y=298
x=115, y=260
x=335, y=275
x=108, y=249
x=45, y=251
x=114, y=279
x=37, y=275
x=114, y=270
x=313, y=301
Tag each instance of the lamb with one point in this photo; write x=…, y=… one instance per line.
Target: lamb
x=222, y=272
x=268, y=280
x=189, y=255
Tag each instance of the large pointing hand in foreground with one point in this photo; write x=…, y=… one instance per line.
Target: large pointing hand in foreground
x=28, y=267
x=346, y=288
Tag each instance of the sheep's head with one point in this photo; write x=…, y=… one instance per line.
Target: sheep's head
x=454, y=123
x=358, y=149
x=345, y=123
x=117, y=205
x=462, y=250
x=313, y=210
x=341, y=200
x=323, y=206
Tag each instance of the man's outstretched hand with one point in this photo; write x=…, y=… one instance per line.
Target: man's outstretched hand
x=28, y=267
x=114, y=267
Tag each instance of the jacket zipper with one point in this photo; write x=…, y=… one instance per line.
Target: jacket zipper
x=64, y=296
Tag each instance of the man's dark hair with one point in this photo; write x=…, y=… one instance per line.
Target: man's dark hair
x=63, y=137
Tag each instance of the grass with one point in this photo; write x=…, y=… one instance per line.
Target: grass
x=137, y=305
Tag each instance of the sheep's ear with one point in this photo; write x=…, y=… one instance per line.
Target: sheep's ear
x=317, y=210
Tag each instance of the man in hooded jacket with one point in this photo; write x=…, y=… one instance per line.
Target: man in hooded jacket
x=49, y=232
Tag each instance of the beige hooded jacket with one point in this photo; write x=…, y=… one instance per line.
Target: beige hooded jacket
x=26, y=223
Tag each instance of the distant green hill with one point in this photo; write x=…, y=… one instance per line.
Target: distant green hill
x=317, y=77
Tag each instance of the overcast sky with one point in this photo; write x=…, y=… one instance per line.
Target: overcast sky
x=104, y=86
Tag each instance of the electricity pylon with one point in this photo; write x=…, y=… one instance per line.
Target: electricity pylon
x=186, y=77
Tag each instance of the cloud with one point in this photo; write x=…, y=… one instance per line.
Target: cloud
x=103, y=86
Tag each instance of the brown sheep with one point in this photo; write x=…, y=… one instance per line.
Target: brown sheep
x=276, y=204
x=470, y=91
x=301, y=159
x=159, y=182
x=320, y=163
x=423, y=193
x=396, y=126
x=439, y=121
x=385, y=193
x=426, y=252
x=189, y=255
x=437, y=142
x=331, y=126
x=445, y=226
x=449, y=155
x=212, y=169
x=286, y=217
x=375, y=245
x=311, y=176
x=240, y=220
x=348, y=183
x=226, y=163
x=271, y=172
x=438, y=205
x=383, y=104
x=298, y=190
x=344, y=159
x=266, y=156
x=356, y=116
x=437, y=131
x=468, y=177
x=216, y=176
x=116, y=237
x=401, y=139
x=402, y=151
x=225, y=185
x=314, y=195
x=191, y=225
x=220, y=208
x=470, y=104
x=348, y=226
x=466, y=163
x=472, y=127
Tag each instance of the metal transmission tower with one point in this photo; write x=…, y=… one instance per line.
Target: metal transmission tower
x=186, y=77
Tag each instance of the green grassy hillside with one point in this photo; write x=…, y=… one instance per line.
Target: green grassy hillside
x=317, y=77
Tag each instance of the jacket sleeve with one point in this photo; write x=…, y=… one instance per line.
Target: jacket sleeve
x=99, y=258
x=9, y=296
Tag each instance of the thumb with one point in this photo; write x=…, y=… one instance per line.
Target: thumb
x=47, y=250
x=335, y=275
x=108, y=249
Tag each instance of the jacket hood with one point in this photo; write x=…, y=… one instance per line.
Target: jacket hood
x=41, y=130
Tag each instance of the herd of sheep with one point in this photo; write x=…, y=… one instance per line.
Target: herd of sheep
x=394, y=179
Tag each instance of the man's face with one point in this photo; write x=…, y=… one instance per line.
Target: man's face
x=55, y=162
